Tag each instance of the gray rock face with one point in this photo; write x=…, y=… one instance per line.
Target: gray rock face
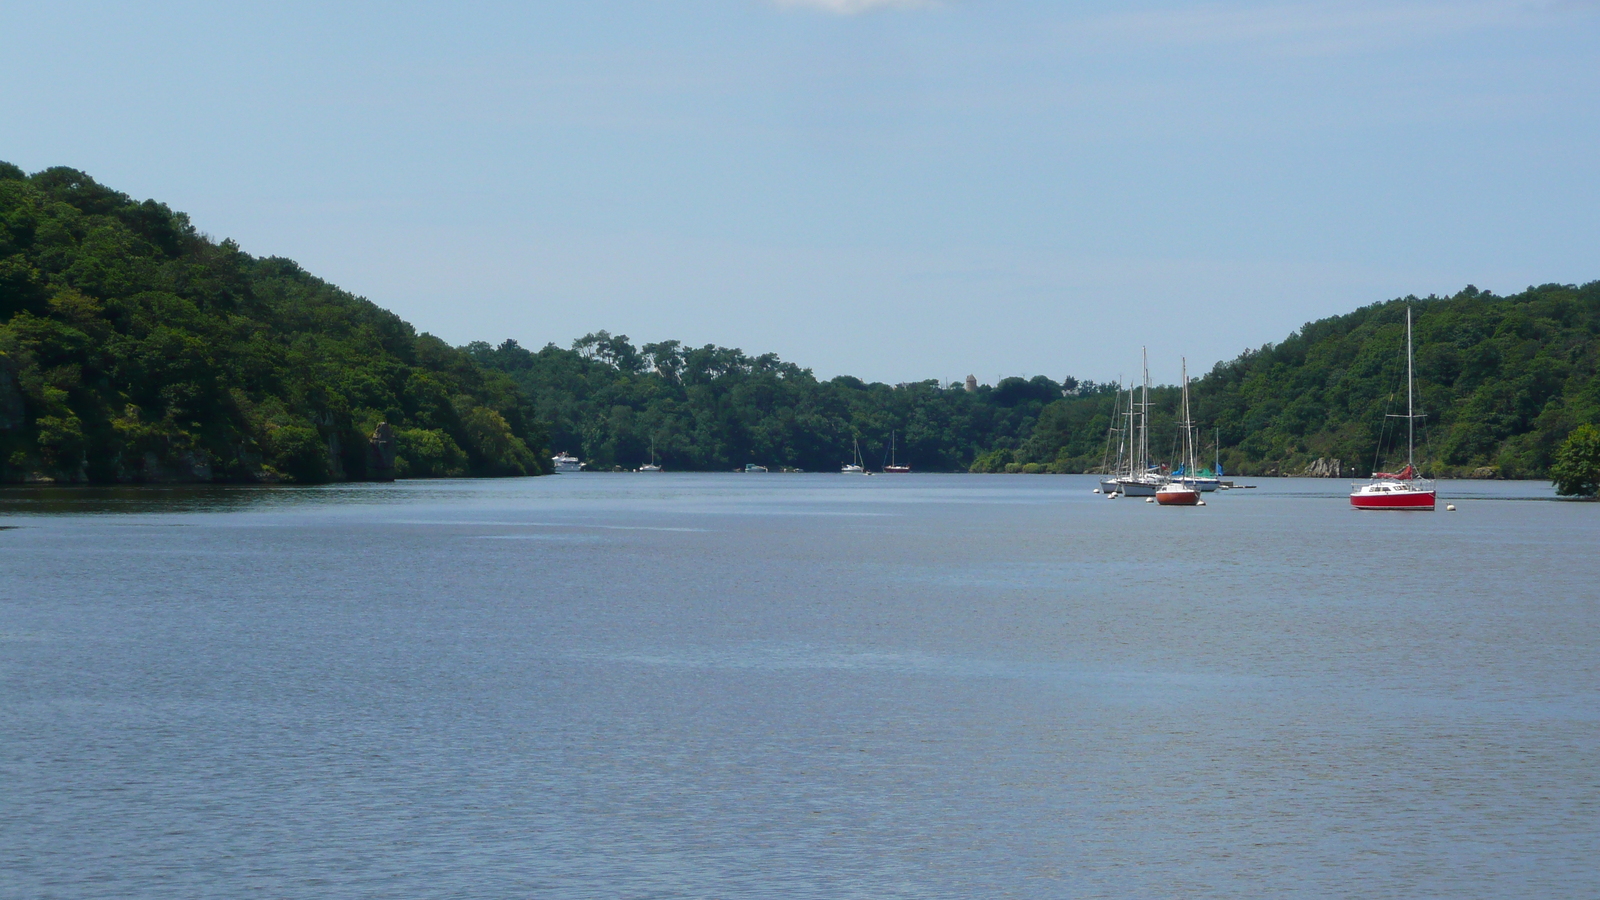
x=1323, y=468
x=380, y=453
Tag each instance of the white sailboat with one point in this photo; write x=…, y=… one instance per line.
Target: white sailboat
x=1139, y=480
x=1109, y=485
x=891, y=467
x=855, y=466
x=651, y=467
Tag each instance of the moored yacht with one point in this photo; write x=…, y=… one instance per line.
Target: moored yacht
x=1402, y=489
x=854, y=466
x=890, y=467
x=562, y=463
x=1141, y=479
x=1176, y=492
x=651, y=465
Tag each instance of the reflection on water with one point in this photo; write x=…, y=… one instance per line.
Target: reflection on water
x=795, y=685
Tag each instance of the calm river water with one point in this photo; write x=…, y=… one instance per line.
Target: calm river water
x=712, y=686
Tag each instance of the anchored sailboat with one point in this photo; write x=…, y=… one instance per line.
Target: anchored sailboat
x=1108, y=484
x=1139, y=480
x=1176, y=492
x=1402, y=489
x=856, y=466
x=651, y=467
x=891, y=468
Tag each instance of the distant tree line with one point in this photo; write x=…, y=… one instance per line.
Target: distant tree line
x=714, y=408
x=133, y=348
x=1502, y=382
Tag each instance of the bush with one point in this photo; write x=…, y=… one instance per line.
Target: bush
x=1576, y=472
x=990, y=463
x=298, y=452
x=427, y=453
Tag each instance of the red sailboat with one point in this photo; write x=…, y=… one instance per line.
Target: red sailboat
x=1176, y=492
x=1402, y=489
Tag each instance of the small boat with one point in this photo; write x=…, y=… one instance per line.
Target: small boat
x=752, y=467
x=1402, y=489
x=1396, y=490
x=651, y=466
x=891, y=468
x=854, y=466
x=1176, y=492
x=563, y=463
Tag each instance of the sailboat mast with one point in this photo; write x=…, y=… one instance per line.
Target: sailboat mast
x=1411, y=418
x=1130, y=436
x=1188, y=421
x=1144, y=418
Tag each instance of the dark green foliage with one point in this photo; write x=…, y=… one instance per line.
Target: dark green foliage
x=711, y=408
x=134, y=348
x=1502, y=380
x=1576, y=471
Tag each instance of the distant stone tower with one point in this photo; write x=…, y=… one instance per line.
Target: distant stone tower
x=972, y=383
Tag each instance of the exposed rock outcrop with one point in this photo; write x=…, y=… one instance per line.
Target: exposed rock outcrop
x=380, y=453
x=1323, y=467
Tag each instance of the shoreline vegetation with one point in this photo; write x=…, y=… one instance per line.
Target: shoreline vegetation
x=134, y=349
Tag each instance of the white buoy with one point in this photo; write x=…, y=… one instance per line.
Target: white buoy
x=1450, y=508
x=1149, y=499
x=1201, y=503
x=1097, y=490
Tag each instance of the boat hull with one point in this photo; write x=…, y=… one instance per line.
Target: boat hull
x=1137, y=488
x=1178, y=496
x=897, y=470
x=1419, y=500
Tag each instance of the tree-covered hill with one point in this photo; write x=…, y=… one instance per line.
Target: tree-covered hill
x=711, y=408
x=1502, y=381
x=134, y=348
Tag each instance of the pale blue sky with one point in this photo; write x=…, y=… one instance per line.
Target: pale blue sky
x=897, y=190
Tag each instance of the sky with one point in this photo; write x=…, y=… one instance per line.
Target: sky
x=893, y=189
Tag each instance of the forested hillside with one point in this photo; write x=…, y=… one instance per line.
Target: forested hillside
x=710, y=408
x=133, y=348
x=1501, y=380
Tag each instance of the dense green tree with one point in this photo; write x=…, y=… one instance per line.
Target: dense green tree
x=711, y=408
x=134, y=348
x=1576, y=471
